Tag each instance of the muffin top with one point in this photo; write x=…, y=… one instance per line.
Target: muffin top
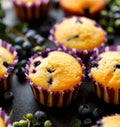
x=80, y=5
x=6, y=59
x=106, y=69
x=80, y=33
x=57, y=71
x=2, y=123
x=109, y=121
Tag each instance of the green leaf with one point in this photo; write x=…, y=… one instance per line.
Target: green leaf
x=7, y=38
x=76, y=123
x=11, y=114
x=3, y=27
x=20, y=26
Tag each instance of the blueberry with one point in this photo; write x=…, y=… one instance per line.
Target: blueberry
x=27, y=45
x=8, y=96
x=30, y=34
x=41, y=116
x=97, y=113
x=40, y=40
x=116, y=16
x=23, y=62
x=6, y=64
x=117, y=66
x=20, y=73
x=87, y=122
x=25, y=30
x=19, y=40
x=111, y=39
x=18, y=49
x=84, y=111
x=36, y=63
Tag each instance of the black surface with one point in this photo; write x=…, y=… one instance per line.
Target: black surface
x=24, y=101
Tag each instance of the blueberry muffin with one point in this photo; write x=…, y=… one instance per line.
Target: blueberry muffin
x=109, y=121
x=30, y=10
x=55, y=77
x=89, y=8
x=8, y=60
x=79, y=34
x=4, y=119
x=105, y=74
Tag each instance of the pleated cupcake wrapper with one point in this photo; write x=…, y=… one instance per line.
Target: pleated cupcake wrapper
x=54, y=98
x=5, y=117
x=5, y=81
x=107, y=94
x=83, y=54
x=31, y=10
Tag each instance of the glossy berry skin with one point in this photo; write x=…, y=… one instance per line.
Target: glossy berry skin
x=8, y=96
x=97, y=113
x=84, y=111
x=41, y=116
x=27, y=45
x=87, y=122
x=19, y=40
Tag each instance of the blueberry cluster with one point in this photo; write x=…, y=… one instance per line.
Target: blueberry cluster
x=88, y=115
x=110, y=19
x=39, y=119
x=26, y=45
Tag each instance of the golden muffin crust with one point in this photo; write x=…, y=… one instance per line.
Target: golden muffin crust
x=58, y=71
x=107, y=69
x=111, y=121
x=5, y=58
x=78, y=6
x=2, y=123
x=79, y=33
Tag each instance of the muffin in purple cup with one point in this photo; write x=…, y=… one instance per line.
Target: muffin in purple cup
x=8, y=60
x=55, y=76
x=105, y=74
x=79, y=34
x=4, y=119
x=30, y=10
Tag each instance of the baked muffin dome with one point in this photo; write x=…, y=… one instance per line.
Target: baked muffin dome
x=106, y=69
x=6, y=59
x=109, y=121
x=80, y=33
x=55, y=76
x=54, y=72
x=79, y=7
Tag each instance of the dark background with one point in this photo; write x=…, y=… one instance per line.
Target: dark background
x=24, y=101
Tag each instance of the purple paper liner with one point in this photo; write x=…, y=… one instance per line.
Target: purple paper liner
x=83, y=54
x=31, y=10
x=6, y=80
x=5, y=118
x=57, y=98
x=109, y=95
